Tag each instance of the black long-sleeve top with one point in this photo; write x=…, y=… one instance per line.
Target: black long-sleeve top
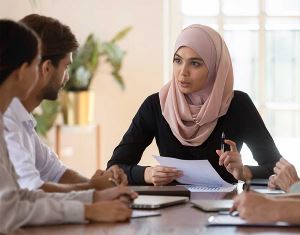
x=242, y=124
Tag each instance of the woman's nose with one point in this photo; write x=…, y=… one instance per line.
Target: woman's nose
x=184, y=70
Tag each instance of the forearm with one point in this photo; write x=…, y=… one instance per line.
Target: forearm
x=51, y=187
x=288, y=210
x=247, y=174
x=72, y=177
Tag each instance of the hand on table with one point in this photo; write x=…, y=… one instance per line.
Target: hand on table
x=255, y=207
x=108, y=211
x=285, y=175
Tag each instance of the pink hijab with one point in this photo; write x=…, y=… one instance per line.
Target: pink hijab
x=193, y=117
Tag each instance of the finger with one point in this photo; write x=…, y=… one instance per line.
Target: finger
x=232, y=145
x=166, y=169
x=219, y=152
x=236, y=202
x=160, y=181
x=222, y=158
x=276, y=170
x=166, y=174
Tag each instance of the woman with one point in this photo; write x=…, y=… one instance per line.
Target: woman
x=19, y=61
x=190, y=113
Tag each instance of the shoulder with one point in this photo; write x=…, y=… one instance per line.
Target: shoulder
x=154, y=98
x=151, y=102
x=241, y=99
x=15, y=115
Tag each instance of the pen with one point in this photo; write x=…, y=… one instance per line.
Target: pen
x=246, y=186
x=223, y=142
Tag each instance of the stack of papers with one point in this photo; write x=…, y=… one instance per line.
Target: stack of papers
x=198, y=175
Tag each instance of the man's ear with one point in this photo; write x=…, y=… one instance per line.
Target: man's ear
x=46, y=68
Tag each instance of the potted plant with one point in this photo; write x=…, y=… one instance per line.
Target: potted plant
x=77, y=101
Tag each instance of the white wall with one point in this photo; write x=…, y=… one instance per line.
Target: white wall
x=143, y=66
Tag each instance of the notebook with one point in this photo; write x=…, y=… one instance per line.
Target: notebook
x=213, y=205
x=162, y=190
x=156, y=202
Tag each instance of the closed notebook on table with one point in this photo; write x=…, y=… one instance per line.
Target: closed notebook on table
x=213, y=205
x=157, y=202
x=162, y=190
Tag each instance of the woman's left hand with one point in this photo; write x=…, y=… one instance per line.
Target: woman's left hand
x=232, y=160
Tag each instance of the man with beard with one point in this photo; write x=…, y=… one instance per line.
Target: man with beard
x=36, y=164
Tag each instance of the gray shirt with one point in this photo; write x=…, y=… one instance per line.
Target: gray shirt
x=20, y=207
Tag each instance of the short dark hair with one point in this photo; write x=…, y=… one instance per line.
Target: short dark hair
x=18, y=45
x=57, y=39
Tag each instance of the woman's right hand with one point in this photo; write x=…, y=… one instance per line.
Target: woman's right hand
x=161, y=175
x=107, y=211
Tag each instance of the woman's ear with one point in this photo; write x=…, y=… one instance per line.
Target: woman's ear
x=21, y=71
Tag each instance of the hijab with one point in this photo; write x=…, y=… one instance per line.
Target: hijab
x=193, y=117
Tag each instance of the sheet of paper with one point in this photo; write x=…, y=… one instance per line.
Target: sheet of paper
x=227, y=220
x=144, y=213
x=198, y=174
x=268, y=191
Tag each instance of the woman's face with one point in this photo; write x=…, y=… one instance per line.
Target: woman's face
x=190, y=71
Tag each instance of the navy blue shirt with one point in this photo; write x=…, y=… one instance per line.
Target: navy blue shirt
x=241, y=124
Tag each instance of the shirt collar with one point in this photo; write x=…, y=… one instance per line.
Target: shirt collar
x=18, y=111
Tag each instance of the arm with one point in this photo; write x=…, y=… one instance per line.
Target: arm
x=139, y=135
x=99, y=181
x=23, y=207
x=258, y=139
x=256, y=208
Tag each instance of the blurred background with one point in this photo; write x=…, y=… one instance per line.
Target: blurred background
x=263, y=37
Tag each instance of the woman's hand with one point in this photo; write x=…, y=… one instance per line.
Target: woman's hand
x=161, y=175
x=255, y=207
x=232, y=161
x=285, y=175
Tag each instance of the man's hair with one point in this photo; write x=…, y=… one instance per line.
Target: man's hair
x=18, y=45
x=57, y=39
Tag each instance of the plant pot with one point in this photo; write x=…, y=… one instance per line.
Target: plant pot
x=78, y=107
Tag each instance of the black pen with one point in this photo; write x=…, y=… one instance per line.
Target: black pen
x=246, y=187
x=223, y=142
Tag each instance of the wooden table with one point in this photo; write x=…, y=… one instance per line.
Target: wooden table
x=181, y=219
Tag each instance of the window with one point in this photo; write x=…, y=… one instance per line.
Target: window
x=263, y=37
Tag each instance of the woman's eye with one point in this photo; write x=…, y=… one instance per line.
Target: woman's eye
x=176, y=60
x=195, y=63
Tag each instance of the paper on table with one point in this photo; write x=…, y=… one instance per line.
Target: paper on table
x=198, y=173
x=227, y=220
x=143, y=213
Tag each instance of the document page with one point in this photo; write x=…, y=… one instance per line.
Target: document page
x=198, y=175
x=227, y=220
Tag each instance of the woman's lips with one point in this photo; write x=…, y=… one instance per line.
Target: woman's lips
x=184, y=84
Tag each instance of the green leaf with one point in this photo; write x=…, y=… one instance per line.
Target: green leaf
x=47, y=117
x=120, y=35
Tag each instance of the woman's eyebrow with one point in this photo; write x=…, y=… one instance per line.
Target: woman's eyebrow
x=192, y=58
